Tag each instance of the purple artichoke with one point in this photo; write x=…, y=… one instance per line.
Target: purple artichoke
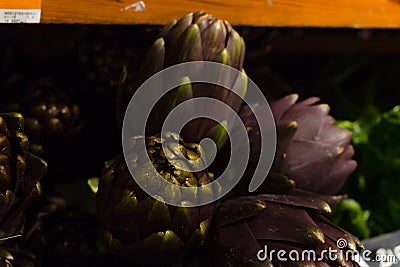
x=195, y=37
x=245, y=227
x=312, y=153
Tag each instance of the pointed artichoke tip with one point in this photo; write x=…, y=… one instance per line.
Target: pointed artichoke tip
x=351, y=244
x=260, y=206
x=293, y=125
x=193, y=29
x=39, y=188
x=190, y=14
x=319, y=236
x=314, y=99
x=224, y=57
x=292, y=97
x=326, y=208
x=348, y=132
x=340, y=150
x=325, y=108
x=166, y=234
x=227, y=22
x=17, y=115
x=315, y=235
x=160, y=42
x=360, y=245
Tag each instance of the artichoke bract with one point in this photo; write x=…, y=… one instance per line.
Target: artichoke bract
x=19, y=176
x=195, y=37
x=139, y=227
x=246, y=230
x=311, y=151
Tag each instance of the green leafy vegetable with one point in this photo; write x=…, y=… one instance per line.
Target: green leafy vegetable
x=376, y=182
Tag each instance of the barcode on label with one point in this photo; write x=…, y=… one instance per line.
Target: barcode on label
x=19, y=16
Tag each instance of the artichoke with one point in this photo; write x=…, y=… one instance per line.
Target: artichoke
x=246, y=228
x=140, y=228
x=312, y=153
x=195, y=37
x=51, y=113
x=20, y=175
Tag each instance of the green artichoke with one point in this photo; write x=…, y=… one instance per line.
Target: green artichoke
x=51, y=113
x=195, y=37
x=140, y=228
x=19, y=176
x=312, y=153
x=243, y=227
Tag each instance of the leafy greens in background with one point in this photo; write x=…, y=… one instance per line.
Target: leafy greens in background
x=362, y=90
x=376, y=182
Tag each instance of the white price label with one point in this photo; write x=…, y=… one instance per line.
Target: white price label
x=19, y=15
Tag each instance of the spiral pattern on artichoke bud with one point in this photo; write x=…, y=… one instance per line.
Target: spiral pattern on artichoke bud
x=153, y=232
x=192, y=82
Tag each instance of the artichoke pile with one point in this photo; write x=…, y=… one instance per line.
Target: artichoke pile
x=19, y=184
x=123, y=225
x=312, y=162
x=20, y=174
x=52, y=112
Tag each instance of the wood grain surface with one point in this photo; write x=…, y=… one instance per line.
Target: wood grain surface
x=293, y=13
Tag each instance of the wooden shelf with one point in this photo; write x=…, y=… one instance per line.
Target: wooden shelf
x=292, y=13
